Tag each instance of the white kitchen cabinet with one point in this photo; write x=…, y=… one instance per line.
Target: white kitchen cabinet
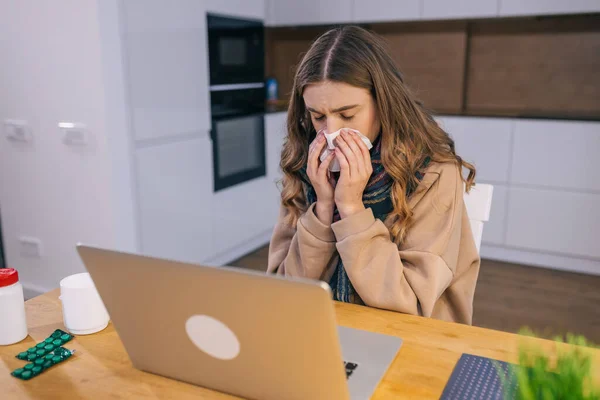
x=448, y=9
x=486, y=142
x=547, y=7
x=546, y=179
x=558, y=154
x=175, y=199
x=167, y=67
x=243, y=213
x=386, y=10
x=309, y=12
x=554, y=221
x=237, y=8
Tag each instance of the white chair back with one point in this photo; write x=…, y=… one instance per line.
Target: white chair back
x=479, y=203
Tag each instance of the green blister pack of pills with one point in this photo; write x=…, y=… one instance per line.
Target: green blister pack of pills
x=42, y=363
x=57, y=339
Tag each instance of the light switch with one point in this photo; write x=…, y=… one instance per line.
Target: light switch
x=74, y=134
x=17, y=130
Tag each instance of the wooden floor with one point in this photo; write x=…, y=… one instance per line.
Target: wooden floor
x=509, y=297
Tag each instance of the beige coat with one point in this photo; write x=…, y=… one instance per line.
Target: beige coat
x=433, y=273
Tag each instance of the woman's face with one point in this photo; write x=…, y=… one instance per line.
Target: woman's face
x=336, y=105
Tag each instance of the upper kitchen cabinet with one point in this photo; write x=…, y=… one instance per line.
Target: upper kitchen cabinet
x=167, y=68
x=444, y=9
x=547, y=7
x=308, y=12
x=386, y=10
x=237, y=8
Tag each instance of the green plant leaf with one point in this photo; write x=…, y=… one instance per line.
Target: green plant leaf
x=569, y=378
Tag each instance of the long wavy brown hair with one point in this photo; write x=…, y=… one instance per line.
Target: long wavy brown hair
x=409, y=133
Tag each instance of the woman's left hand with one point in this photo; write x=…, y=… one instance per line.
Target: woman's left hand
x=355, y=170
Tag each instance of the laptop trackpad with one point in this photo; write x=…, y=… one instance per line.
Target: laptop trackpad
x=372, y=353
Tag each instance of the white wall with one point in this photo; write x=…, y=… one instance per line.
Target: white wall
x=56, y=57
x=118, y=126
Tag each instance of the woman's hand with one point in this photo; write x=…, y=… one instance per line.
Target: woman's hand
x=356, y=169
x=321, y=180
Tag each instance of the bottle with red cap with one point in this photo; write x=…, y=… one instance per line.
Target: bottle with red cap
x=13, y=325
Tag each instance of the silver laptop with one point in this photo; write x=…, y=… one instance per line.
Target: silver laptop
x=245, y=333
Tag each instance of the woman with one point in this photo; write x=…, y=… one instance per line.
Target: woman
x=391, y=229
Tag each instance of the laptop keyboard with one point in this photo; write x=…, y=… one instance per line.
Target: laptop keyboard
x=350, y=368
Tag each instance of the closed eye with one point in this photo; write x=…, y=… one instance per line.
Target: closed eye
x=321, y=118
x=345, y=118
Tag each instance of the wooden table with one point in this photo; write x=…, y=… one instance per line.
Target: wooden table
x=101, y=368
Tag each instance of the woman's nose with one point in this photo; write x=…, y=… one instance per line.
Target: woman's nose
x=333, y=125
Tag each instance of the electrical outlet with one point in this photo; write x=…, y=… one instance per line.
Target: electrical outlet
x=17, y=130
x=74, y=134
x=30, y=247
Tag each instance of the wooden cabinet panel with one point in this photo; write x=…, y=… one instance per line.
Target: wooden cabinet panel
x=513, y=67
x=535, y=67
x=284, y=50
x=431, y=57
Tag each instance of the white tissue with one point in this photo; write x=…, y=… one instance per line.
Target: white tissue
x=330, y=137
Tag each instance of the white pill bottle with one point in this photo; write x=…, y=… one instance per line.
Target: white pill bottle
x=13, y=325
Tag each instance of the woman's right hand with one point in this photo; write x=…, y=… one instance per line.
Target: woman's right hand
x=321, y=180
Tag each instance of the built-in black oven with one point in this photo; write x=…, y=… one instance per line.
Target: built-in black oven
x=237, y=97
x=238, y=136
x=236, y=50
